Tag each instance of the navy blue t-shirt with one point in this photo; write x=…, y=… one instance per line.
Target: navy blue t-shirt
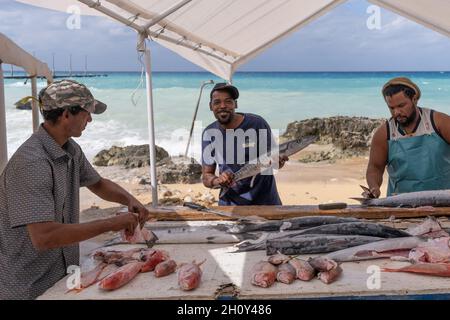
x=231, y=149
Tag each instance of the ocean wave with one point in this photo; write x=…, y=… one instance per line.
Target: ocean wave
x=22, y=84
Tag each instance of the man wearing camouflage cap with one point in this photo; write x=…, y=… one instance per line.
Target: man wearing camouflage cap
x=413, y=144
x=39, y=196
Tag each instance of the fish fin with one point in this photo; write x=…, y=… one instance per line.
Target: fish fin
x=200, y=263
x=252, y=182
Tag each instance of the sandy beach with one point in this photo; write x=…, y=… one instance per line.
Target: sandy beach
x=298, y=183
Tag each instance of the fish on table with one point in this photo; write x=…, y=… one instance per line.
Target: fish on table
x=289, y=224
x=189, y=275
x=347, y=228
x=380, y=249
x=121, y=276
x=311, y=244
x=303, y=269
x=433, y=198
x=286, y=273
x=431, y=269
x=432, y=251
x=165, y=268
x=263, y=274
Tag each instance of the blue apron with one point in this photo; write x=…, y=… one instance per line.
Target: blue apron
x=418, y=163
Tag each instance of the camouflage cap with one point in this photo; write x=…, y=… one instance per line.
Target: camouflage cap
x=68, y=93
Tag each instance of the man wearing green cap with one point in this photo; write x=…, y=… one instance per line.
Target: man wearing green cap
x=39, y=196
x=413, y=144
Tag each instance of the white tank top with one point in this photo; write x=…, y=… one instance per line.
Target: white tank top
x=425, y=126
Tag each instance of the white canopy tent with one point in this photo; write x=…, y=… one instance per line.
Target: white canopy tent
x=221, y=35
x=11, y=53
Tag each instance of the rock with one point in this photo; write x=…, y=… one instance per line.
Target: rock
x=187, y=199
x=169, y=170
x=171, y=201
x=207, y=199
x=179, y=170
x=167, y=193
x=350, y=135
x=320, y=156
x=130, y=157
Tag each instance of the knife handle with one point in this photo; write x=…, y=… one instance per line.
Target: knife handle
x=332, y=206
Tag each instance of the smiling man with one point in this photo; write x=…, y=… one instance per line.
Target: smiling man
x=413, y=144
x=39, y=196
x=232, y=141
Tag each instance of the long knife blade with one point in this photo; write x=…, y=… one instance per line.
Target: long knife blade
x=199, y=207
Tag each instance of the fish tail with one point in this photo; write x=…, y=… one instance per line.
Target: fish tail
x=363, y=201
x=391, y=270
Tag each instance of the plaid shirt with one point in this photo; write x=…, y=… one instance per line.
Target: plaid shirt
x=40, y=184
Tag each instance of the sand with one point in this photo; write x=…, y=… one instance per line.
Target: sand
x=298, y=183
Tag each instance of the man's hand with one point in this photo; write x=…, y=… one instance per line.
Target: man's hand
x=282, y=161
x=224, y=180
x=128, y=221
x=135, y=206
x=374, y=193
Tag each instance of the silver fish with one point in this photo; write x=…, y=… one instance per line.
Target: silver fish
x=375, y=250
x=289, y=224
x=346, y=228
x=316, y=244
x=434, y=198
x=269, y=160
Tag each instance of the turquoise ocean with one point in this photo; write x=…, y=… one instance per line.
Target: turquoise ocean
x=278, y=97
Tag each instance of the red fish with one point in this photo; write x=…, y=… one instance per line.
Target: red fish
x=91, y=277
x=322, y=263
x=139, y=236
x=120, y=257
x=303, y=269
x=152, y=259
x=263, y=274
x=165, y=268
x=434, y=251
x=189, y=275
x=122, y=276
x=286, y=273
x=432, y=269
x=278, y=259
x=330, y=276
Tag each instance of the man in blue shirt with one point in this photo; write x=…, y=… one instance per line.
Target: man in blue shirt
x=232, y=141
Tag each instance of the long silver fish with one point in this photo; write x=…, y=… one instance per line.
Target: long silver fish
x=316, y=244
x=269, y=160
x=434, y=198
x=289, y=224
x=376, y=250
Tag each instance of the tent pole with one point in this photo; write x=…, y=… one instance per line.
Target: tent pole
x=151, y=126
x=35, y=111
x=3, y=141
x=195, y=114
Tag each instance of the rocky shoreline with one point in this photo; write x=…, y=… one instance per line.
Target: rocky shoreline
x=339, y=138
x=345, y=136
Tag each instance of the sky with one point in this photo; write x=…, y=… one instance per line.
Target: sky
x=338, y=41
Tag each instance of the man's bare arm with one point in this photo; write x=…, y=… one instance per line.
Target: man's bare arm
x=377, y=160
x=49, y=235
x=442, y=122
x=110, y=191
